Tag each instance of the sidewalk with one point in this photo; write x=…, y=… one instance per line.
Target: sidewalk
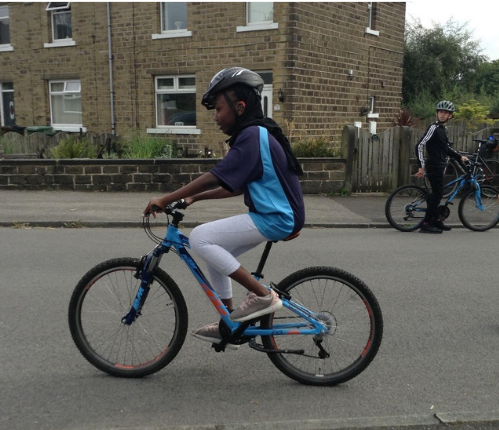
x=110, y=209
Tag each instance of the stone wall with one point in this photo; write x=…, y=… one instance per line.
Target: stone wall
x=322, y=175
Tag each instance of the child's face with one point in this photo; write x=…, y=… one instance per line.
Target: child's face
x=443, y=115
x=224, y=115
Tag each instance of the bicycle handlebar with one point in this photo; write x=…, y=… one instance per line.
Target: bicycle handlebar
x=170, y=209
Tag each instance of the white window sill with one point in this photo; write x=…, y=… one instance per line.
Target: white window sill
x=257, y=27
x=172, y=33
x=60, y=43
x=69, y=128
x=174, y=130
x=373, y=115
x=5, y=48
x=371, y=31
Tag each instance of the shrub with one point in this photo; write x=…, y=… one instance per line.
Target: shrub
x=473, y=113
x=319, y=147
x=140, y=146
x=406, y=117
x=73, y=147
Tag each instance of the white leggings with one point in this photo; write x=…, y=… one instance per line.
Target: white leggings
x=219, y=242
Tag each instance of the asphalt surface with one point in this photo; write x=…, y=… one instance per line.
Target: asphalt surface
x=91, y=209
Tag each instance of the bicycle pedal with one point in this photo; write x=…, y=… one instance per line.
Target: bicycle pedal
x=218, y=347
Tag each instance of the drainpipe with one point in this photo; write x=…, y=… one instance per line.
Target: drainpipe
x=110, y=54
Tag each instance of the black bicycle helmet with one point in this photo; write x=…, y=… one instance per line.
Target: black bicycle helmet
x=445, y=105
x=227, y=78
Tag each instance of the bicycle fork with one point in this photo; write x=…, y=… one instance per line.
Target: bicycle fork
x=145, y=273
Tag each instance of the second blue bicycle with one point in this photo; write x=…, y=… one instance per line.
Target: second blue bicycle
x=478, y=208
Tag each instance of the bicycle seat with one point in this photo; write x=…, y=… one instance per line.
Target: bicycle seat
x=292, y=236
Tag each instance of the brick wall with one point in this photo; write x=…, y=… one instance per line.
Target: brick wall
x=322, y=175
x=309, y=54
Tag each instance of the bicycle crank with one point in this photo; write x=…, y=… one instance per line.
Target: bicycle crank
x=443, y=212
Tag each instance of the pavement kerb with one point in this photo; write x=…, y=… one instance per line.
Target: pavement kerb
x=410, y=421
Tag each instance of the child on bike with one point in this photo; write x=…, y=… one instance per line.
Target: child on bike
x=438, y=149
x=261, y=165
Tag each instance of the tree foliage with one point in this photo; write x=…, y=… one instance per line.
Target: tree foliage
x=487, y=82
x=438, y=61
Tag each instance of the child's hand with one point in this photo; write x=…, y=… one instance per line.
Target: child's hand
x=420, y=173
x=154, y=206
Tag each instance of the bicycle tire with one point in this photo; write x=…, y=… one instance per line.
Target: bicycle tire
x=450, y=174
x=405, y=208
x=474, y=218
x=351, y=311
x=491, y=169
x=100, y=300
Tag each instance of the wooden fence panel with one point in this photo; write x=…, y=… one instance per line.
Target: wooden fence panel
x=373, y=165
x=39, y=144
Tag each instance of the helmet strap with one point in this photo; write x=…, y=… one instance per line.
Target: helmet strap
x=230, y=103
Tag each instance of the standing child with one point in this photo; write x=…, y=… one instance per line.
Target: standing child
x=260, y=164
x=438, y=149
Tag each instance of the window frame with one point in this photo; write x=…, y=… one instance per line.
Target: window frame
x=67, y=94
x=6, y=46
x=371, y=106
x=259, y=25
x=171, y=33
x=370, y=20
x=168, y=128
x=64, y=7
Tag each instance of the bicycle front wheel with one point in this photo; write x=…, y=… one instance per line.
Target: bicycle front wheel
x=355, y=327
x=478, y=218
x=100, y=300
x=405, y=208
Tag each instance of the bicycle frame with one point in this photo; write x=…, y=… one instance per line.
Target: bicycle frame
x=462, y=180
x=175, y=240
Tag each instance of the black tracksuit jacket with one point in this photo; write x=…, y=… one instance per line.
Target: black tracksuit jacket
x=437, y=147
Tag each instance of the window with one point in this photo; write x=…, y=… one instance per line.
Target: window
x=173, y=20
x=173, y=16
x=8, y=115
x=175, y=101
x=65, y=105
x=259, y=12
x=370, y=113
x=60, y=20
x=4, y=29
x=259, y=16
x=371, y=105
x=371, y=18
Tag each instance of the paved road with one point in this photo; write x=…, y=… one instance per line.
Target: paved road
x=437, y=361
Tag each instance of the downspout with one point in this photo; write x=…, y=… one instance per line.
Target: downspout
x=110, y=54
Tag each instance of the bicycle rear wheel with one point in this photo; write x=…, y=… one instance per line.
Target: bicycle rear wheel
x=103, y=296
x=405, y=208
x=450, y=174
x=472, y=216
x=351, y=312
x=491, y=169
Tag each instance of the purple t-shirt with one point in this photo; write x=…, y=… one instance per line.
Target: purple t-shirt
x=243, y=166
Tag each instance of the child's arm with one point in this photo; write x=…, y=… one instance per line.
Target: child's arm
x=205, y=182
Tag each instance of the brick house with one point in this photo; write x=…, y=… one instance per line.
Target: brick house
x=117, y=67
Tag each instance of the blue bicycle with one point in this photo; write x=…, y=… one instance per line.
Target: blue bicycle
x=478, y=208
x=129, y=318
